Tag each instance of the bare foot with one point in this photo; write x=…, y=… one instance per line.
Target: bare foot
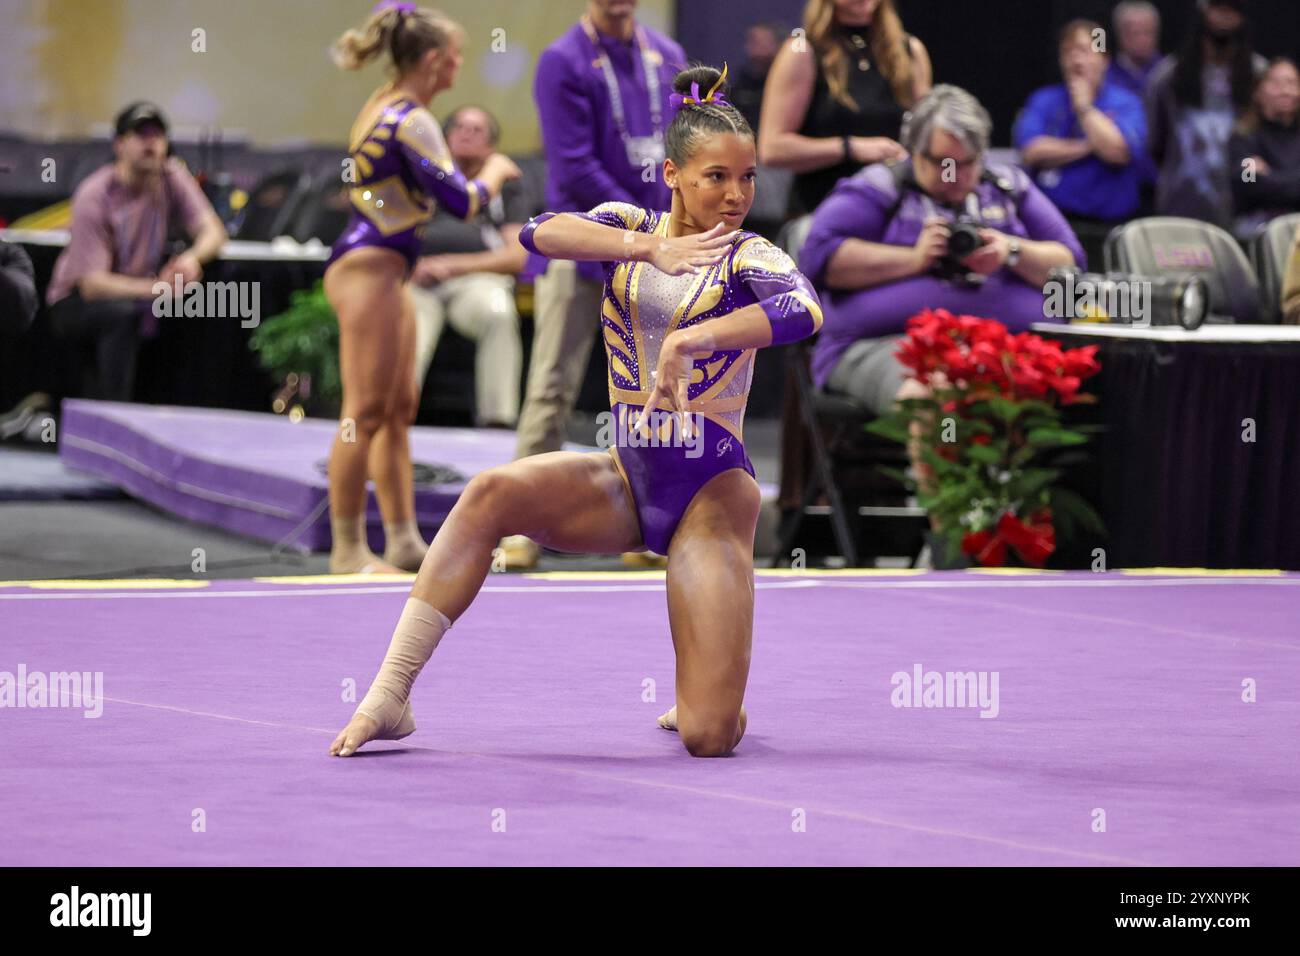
x=361, y=729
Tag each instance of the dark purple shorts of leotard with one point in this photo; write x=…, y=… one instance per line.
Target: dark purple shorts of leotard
x=361, y=232
x=665, y=478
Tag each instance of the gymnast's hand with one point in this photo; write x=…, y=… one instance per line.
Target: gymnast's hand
x=691, y=253
x=671, y=381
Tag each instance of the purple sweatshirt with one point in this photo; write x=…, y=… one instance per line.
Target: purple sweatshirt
x=586, y=161
x=858, y=208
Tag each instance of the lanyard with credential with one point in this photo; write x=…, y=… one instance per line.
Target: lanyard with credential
x=615, y=100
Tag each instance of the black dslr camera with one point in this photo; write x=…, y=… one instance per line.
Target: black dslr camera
x=963, y=239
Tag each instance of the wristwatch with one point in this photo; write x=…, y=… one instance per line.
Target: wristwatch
x=1013, y=254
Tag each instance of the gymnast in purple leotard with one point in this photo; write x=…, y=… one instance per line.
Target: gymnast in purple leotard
x=641, y=307
x=400, y=170
x=689, y=299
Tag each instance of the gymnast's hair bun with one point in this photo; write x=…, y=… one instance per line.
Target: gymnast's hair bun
x=703, y=76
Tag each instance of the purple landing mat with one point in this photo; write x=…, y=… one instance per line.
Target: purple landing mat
x=257, y=474
x=1117, y=694
x=252, y=473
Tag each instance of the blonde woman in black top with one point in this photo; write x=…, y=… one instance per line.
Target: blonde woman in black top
x=837, y=92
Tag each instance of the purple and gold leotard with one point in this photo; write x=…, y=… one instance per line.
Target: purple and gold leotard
x=640, y=307
x=403, y=167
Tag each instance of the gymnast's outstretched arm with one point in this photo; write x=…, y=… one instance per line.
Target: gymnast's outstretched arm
x=611, y=237
x=430, y=161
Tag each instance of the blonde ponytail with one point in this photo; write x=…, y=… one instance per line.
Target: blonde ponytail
x=401, y=32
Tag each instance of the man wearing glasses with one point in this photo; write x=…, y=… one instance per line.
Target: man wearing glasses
x=939, y=230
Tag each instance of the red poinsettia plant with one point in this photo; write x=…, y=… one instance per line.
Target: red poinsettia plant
x=989, y=434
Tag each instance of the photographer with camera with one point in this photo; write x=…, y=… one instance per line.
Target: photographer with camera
x=938, y=230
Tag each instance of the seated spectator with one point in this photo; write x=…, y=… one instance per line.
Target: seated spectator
x=102, y=284
x=1192, y=102
x=1137, y=32
x=466, y=276
x=1291, y=286
x=878, y=247
x=1083, y=138
x=1265, y=150
x=17, y=289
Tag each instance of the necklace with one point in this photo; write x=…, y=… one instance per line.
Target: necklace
x=860, y=46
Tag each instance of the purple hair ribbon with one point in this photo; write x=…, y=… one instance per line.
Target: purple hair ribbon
x=678, y=100
x=392, y=4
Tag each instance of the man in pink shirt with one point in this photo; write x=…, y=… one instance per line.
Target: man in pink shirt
x=122, y=215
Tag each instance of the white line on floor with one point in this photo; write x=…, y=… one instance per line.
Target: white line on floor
x=905, y=583
x=386, y=589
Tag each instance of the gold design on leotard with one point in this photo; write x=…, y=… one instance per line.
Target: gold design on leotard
x=618, y=352
x=372, y=149
x=419, y=130
x=628, y=215
x=625, y=305
x=364, y=166
x=610, y=311
x=759, y=254
x=737, y=367
x=389, y=205
x=706, y=293
x=623, y=283
x=620, y=367
x=378, y=110
x=755, y=252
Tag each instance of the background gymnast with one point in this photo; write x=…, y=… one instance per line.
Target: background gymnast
x=402, y=167
x=688, y=300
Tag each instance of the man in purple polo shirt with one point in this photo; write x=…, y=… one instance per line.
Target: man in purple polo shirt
x=878, y=247
x=602, y=96
x=121, y=215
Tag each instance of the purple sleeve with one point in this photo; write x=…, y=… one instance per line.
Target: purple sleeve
x=569, y=134
x=526, y=234
x=1044, y=223
x=786, y=297
x=429, y=161
x=851, y=211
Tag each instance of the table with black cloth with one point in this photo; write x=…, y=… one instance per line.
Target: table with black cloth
x=1172, y=472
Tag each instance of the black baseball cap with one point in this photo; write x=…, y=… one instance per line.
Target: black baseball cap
x=137, y=115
